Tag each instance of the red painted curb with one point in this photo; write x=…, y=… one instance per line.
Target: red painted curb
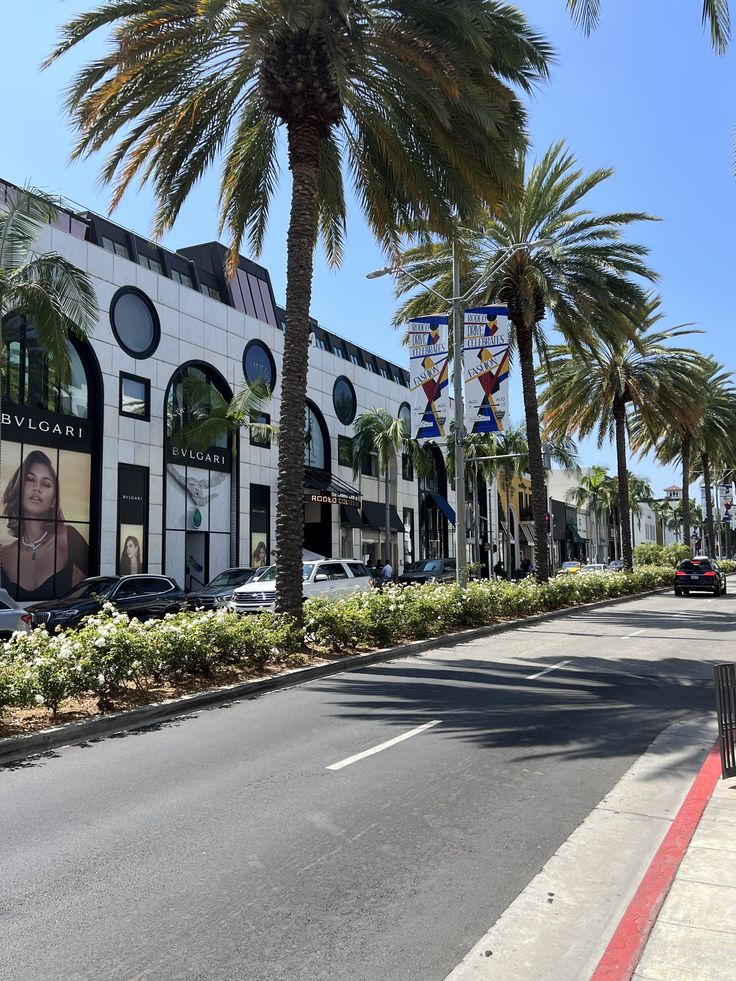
x=627, y=944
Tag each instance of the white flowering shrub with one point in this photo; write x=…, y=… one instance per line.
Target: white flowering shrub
x=111, y=652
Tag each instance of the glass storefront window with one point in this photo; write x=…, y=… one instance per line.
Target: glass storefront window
x=30, y=381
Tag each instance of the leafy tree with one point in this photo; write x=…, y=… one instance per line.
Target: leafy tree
x=377, y=431
x=52, y=295
x=580, y=278
x=613, y=380
x=715, y=16
x=593, y=495
x=413, y=100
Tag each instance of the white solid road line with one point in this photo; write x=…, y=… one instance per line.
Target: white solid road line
x=635, y=633
x=381, y=746
x=532, y=677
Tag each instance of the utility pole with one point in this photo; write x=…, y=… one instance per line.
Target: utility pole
x=458, y=330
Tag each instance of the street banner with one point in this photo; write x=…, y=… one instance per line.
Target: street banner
x=428, y=376
x=486, y=369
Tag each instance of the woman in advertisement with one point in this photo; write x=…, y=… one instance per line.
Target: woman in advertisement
x=130, y=558
x=260, y=553
x=47, y=556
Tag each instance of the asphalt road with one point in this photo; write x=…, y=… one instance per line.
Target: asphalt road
x=220, y=846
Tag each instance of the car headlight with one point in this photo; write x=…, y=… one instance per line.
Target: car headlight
x=223, y=600
x=65, y=614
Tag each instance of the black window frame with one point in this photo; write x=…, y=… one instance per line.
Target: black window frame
x=127, y=376
x=136, y=355
x=407, y=467
x=264, y=418
x=343, y=441
x=257, y=342
x=351, y=387
x=367, y=467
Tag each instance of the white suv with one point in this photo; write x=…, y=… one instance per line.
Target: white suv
x=327, y=578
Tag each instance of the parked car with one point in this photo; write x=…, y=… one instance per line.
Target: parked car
x=330, y=578
x=700, y=574
x=218, y=591
x=429, y=570
x=597, y=567
x=138, y=596
x=12, y=616
x=570, y=568
x=616, y=565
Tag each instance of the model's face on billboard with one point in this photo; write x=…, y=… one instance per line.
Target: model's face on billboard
x=39, y=492
x=131, y=548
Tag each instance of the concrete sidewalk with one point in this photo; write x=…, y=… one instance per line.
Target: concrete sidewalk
x=694, y=937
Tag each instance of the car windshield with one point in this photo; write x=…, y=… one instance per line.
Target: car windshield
x=91, y=587
x=270, y=573
x=570, y=565
x=231, y=577
x=428, y=565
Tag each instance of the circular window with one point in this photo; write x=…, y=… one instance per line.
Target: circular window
x=258, y=363
x=135, y=322
x=344, y=400
x=405, y=416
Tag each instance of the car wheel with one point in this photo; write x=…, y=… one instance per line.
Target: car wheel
x=723, y=588
x=716, y=590
x=678, y=592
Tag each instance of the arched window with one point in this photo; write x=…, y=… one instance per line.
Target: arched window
x=29, y=379
x=316, y=439
x=197, y=394
x=405, y=415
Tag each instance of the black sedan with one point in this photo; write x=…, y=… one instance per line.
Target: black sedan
x=219, y=590
x=138, y=596
x=701, y=575
x=429, y=570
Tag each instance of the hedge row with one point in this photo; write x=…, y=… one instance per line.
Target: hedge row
x=110, y=652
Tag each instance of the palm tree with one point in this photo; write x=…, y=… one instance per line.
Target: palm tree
x=581, y=279
x=614, y=380
x=640, y=492
x=592, y=495
x=413, y=100
x=377, y=431
x=715, y=14
x=715, y=442
x=50, y=293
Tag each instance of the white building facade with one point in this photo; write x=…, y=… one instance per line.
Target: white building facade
x=174, y=341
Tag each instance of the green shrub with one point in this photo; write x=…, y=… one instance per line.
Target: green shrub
x=110, y=652
x=661, y=555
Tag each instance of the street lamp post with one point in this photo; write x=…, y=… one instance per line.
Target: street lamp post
x=457, y=303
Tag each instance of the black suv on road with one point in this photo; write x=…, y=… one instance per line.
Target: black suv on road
x=138, y=596
x=700, y=574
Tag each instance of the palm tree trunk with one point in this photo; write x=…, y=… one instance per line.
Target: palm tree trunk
x=387, y=490
x=685, y=453
x=705, y=459
x=304, y=149
x=619, y=414
x=525, y=342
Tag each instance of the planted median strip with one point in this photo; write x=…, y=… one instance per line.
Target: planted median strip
x=112, y=662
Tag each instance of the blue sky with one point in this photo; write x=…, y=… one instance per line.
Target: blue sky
x=644, y=95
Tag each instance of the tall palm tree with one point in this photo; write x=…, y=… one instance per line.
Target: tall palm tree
x=715, y=15
x=377, y=431
x=612, y=381
x=580, y=279
x=593, y=495
x=640, y=492
x=715, y=438
x=412, y=100
x=51, y=294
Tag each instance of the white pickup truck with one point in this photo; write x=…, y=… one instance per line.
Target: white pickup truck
x=329, y=578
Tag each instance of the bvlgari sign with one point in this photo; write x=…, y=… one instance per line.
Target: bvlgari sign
x=22, y=424
x=213, y=458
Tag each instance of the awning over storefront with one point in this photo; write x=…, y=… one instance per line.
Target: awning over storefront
x=321, y=487
x=506, y=533
x=444, y=507
x=350, y=516
x=527, y=530
x=574, y=535
x=374, y=516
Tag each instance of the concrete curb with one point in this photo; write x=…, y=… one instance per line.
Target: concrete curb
x=15, y=748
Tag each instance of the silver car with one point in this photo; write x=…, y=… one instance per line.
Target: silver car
x=12, y=617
